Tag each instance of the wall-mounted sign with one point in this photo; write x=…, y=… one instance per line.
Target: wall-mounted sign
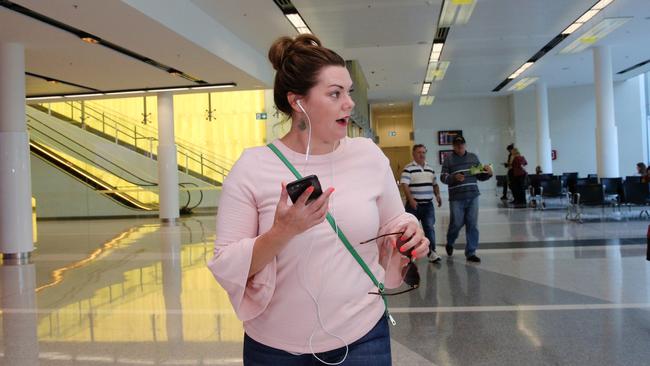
x=260, y=115
x=446, y=137
x=392, y=133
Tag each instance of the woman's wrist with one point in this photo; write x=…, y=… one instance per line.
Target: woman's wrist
x=280, y=234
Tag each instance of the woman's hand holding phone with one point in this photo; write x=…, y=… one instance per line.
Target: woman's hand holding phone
x=291, y=220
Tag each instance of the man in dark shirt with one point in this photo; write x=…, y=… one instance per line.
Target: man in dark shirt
x=463, y=196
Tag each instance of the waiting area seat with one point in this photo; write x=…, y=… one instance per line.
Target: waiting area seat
x=589, y=194
x=636, y=194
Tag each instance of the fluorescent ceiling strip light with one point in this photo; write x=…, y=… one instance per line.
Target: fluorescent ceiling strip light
x=166, y=90
x=523, y=83
x=520, y=70
x=426, y=100
x=296, y=20
x=456, y=12
x=572, y=28
x=436, y=71
x=126, y=92
x=602, y=4
x=598, y=32
x=45, y=98
x=303, y=30
x=83, y=95
x=436, y=51
x=425, y=88
x=584, y=18
x=213, y=87
x=587, y=15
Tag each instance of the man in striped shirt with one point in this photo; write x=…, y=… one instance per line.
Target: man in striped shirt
x=463, y=196
x=419, y=183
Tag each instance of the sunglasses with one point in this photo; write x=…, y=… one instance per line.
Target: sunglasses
x=410, y=274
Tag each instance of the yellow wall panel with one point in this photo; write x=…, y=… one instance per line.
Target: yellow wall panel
x=222, y=138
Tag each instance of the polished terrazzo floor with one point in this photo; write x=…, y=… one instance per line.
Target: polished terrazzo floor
x=136, y=292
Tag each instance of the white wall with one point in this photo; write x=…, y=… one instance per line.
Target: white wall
x=486, y=126
x=572, y=117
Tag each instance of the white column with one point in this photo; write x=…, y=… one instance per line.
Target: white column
x=19, y=320
x=606, y=132
x=543, y=130
x=170, y=240
x=16, y=239
x=167, y=163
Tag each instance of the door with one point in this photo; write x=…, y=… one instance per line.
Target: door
x=398, y=157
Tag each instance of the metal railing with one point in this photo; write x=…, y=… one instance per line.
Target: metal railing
x=109, y=177
x=130, y=133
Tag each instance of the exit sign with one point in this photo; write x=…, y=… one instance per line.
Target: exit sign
x=392, y=133
x=260, y=115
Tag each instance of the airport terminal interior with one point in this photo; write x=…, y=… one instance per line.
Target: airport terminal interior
x=121, y=119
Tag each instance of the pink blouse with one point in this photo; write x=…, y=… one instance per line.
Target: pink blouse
x=275, y=304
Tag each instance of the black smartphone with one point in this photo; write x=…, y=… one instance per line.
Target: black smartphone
x=296, y=188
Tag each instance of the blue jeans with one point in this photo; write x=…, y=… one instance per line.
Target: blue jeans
x=371, y=349
x=464, y=212
x=426, y=213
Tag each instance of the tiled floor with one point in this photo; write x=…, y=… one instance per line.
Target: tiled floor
x=135, y=292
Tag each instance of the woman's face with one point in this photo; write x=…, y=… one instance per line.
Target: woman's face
x=329, y=104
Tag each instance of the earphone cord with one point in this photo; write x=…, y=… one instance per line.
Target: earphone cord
x=311, y=295
x=315, y=299
x=308, y=138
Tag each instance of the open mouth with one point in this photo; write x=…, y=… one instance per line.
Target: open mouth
x=342, y=121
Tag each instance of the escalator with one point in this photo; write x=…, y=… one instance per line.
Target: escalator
x=134, y=191
x=140, y=138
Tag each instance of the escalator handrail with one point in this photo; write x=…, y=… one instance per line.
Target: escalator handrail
x=191, y=148
x=204, y=159
x=94, y=154
x=125, y=200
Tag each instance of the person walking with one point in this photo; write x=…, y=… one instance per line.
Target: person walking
x=293, y=277
x=508, y=166
x=463, y=196
x=420, y=186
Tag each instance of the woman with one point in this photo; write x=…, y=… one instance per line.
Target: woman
x=519, y=176
x=300, y=293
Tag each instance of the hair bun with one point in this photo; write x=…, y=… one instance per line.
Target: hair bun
x=283, y=47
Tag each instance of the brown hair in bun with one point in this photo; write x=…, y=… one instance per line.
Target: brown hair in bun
x=297, y=63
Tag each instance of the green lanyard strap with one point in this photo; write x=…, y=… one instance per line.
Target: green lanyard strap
x=344, y=239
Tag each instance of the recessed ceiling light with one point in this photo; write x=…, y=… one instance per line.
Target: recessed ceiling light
x=589, y=14
x=456, y=12
x=523, y=83
x=436, y=71
x=426, y=100
x=593, y=35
